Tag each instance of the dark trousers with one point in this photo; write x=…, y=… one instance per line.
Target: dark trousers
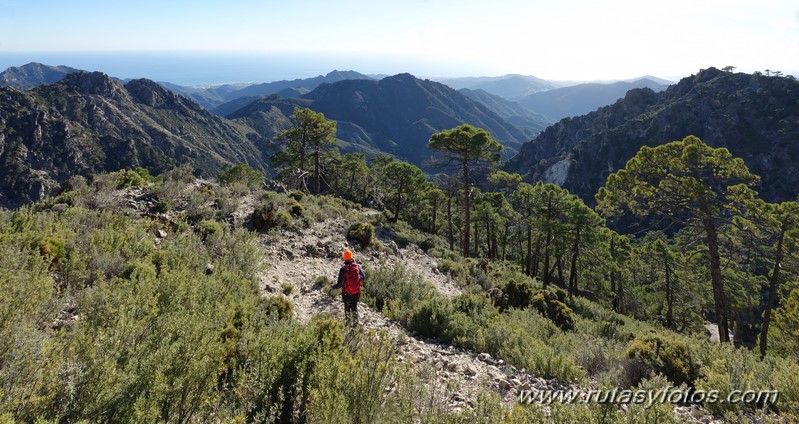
x=351, y=307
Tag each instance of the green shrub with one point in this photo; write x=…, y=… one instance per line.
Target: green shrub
x=459, y=321
x=129, y=178
x=547, y=304
x=666, y=355
x=264, y=217
x=209, y=230
x=362, y=232
x=163, y=206
x=134, y=178
x=728, y=368
x=431, y=317
x=296, y=208
x=278, y=307
x=296, y=195
x=519, y=293
x=396, y=284
x=283, y=219
x=427, y=244
x=658, y=412
x=597, y=356
x=241, y=173
x=365, y=366
x=536, y=356
x=322, y=281
x=454, y=268
x=785, y=379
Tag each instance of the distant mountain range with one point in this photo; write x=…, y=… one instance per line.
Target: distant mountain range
x=511, y=87
x=33, y=74
x=580, y=99
x=532, y=123
x=395, y=115
x=89, y=123
x=754, y=116
x=542, y=101
x=213, y=97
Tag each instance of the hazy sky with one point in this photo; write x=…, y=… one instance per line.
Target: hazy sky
x=553, y=39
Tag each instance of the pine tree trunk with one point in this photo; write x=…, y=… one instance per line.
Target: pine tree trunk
x=774, y=284
x=536, y=256
x=669, y=293
x=317, y=167
x=476, y=237
x=466, y=211
x=398, y=202
x=546, y=257
x=449, y=224
x=719, y=299
x=505, y=240
x=529, y=261
x=433, y=222
x=573, y=270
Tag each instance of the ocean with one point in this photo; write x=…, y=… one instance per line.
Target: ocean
x=196, y=68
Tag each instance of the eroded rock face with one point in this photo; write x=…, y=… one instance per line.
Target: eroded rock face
x=754, y=116
x=96, y=83
x=89, y=123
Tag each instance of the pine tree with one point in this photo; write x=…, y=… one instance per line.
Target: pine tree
x=684, y=181
x=466, y=147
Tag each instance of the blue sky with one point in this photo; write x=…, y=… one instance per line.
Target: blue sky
x=553, y=39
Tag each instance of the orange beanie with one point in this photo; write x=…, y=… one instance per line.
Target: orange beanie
x=347, y=255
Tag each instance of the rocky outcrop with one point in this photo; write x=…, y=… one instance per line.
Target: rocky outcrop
x=90, y=123
x=754, y=116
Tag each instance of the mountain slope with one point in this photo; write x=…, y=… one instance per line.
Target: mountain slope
x=582, y=98
x=213, y=97
x=401, y=112
x=530, y=122
x=90, y=123
x=754, y=116
x=308, y=83
x=511, y=87
x=33, y=74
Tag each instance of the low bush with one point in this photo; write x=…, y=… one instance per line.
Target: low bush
x=431, y=317
x=163, y=206
x=546, y=302
x=296, y=209
x=209, y=230
x=667, y=355
x=264, y=217
x=134, y=178
x=519, y=292
x=243, y=174
x=278, y=307
x=397, y=284
x=283, y=219
x=362, y=232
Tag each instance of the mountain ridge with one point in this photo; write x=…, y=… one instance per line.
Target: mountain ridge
x=32, y=74
x=89, y=123
x=580, y=99
x=754, y=116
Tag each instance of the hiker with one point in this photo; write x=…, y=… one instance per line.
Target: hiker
x=350, y=280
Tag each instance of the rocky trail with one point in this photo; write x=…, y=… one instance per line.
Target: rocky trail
x=298, y=262
x=299, y=259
